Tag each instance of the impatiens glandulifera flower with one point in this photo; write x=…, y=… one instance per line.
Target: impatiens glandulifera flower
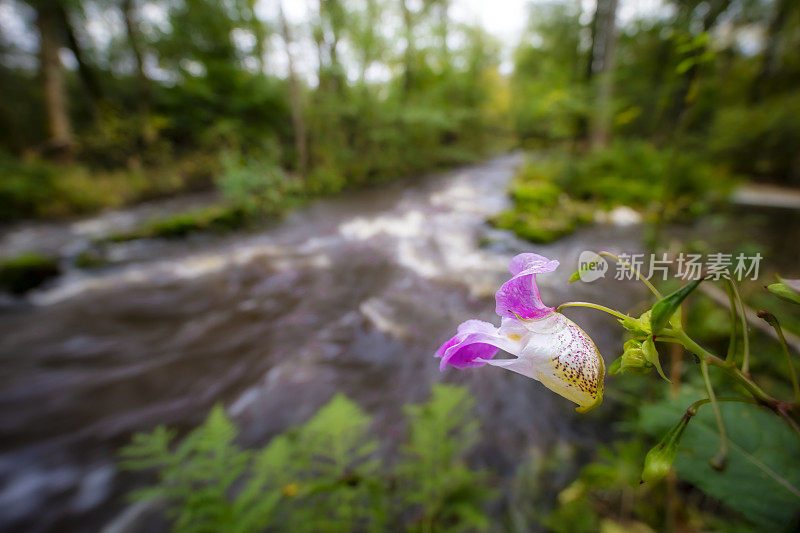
x=667, y=309
x=547, y=346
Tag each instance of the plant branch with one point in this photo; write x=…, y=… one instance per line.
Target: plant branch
x=745, y=331
x=719, y=460
x=692, y=409
x=734, y=320
x=773, y=321
x=730, y=369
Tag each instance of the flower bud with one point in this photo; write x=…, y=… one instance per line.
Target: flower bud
x=632, y=360
x=786, y=289
x=666, y=310
x=639, y=327
x=659, y=459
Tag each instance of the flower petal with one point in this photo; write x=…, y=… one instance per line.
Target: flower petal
x=519, y=296
x=575, y=370
x=562, y=356
x=474, y=344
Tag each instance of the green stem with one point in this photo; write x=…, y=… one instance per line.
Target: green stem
x=634, y=270
x=592, y=306
x=773, y=321
x=734, y=320
x=761, y=397
x=667, y=339
x=692, y=409
x=718, y=461
x=730, y=369
x=745, y=333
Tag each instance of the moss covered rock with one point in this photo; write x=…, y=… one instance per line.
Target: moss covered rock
x=20, y=274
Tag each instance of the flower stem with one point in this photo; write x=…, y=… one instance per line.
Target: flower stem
x=770, y=319
x=634, y=270
x=692, y=409
x=718, y=461
x=745, y=332
x=730, y=369
x=734, y=320
x=593, y=306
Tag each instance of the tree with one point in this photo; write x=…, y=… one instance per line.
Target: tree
x=295, y=98
x=85, y=71
x=143, y=83
x=604, y=33
x=59, y=128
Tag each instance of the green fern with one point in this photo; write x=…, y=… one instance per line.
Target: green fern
x=322, y=476
x=436, y=482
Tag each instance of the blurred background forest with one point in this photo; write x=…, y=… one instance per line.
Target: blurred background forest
x=166, y=248
x=107, y=103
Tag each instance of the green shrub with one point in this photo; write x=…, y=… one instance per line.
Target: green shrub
x=542, y=210
x=24, y=187
x=39, y=188
x=638, y=174
x=20, y=274
x=325, y=475
x=556, y=194
x=256, y=185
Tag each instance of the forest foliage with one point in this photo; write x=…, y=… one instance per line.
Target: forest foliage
x=180, y=95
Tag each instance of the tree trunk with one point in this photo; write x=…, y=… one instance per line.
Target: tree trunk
x=295, y=100
x=408, y=55
x=142, y=82
x=603, y=67
x=87, y=75
x=55, y=98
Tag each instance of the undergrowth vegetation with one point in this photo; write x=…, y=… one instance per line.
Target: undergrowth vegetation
x=330, y=474
x=554, y=194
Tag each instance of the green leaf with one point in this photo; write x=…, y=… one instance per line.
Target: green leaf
x=762, y=478
x=667, y=306
x=685, y=65
x=578, y=274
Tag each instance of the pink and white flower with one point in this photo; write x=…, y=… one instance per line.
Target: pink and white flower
x=546, y=345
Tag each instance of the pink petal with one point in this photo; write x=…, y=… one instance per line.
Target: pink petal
x=475, y=342
x=519, y=296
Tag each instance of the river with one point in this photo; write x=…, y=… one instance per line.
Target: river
x=350, y=294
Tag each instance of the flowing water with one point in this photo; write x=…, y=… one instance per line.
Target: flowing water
x=352, y=294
